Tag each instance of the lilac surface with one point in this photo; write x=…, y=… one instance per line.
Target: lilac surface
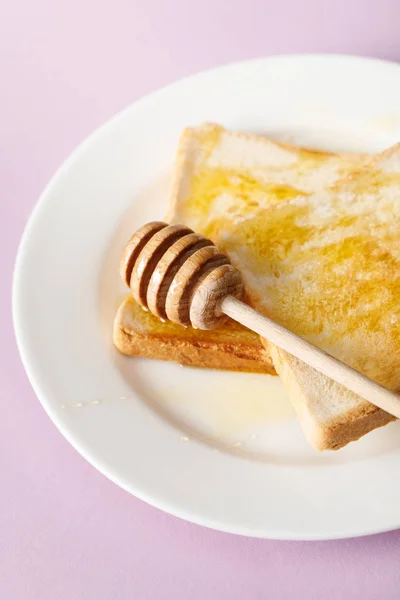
x=65, y=531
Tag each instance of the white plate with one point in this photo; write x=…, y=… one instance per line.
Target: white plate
x=219, y=449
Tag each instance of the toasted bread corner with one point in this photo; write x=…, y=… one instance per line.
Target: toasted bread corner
x=325, y=429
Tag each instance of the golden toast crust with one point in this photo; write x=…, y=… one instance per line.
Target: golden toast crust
x=233, y=349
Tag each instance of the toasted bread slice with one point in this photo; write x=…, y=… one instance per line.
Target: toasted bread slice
x=273, y=172
x=234, y=348
x=326, y=264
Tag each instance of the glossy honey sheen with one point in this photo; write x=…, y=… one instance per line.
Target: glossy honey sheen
x=232, y=332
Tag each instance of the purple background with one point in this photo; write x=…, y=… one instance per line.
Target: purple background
x=66, y=532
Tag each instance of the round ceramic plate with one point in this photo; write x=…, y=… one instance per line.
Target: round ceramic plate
x=220, y=449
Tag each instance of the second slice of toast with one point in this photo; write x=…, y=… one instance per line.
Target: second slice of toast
x=233, y=348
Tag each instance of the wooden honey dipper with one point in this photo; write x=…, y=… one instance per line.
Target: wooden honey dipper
x=180, y=276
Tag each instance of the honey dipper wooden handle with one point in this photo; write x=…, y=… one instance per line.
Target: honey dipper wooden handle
x=313, y=356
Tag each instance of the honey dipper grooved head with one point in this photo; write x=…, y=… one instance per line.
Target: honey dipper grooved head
x=179, y=275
